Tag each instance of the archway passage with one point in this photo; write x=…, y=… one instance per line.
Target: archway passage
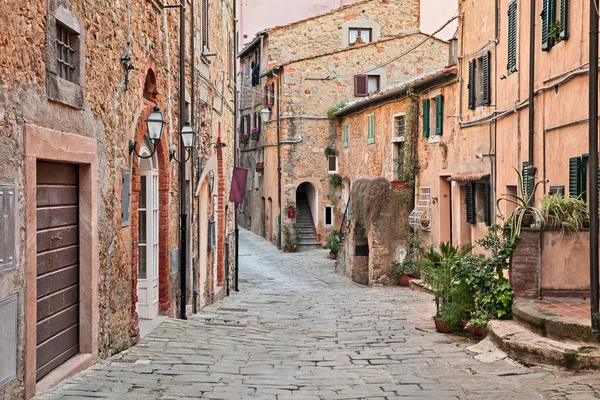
x=162, y=172
x=307, y=213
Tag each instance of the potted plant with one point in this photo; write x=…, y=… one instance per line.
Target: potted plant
x=333, y=243
x=564, y=213
x=330, y=151
x=290, y=237
x=255, y=133
x=260, y=166
x=401, y=272
x=244, y=138
x=336, y=181
x=359, y=40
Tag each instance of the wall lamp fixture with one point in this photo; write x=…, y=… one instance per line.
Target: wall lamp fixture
x=187, y=137
x=156, y=126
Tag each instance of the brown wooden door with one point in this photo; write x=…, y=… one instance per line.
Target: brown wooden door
x=57, y=265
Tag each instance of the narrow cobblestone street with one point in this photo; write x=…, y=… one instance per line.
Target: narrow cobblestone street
x=298, y=330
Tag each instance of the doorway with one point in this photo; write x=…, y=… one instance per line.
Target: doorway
x=269, y=220
x=147, y=287
x=445, y=210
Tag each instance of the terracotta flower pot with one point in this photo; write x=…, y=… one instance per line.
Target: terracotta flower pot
x=289, y=249
x=441, y=326
x=480, y=331
x=404, y=279
x=333, y=256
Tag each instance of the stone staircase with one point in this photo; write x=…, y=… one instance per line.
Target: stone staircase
x=305, y=225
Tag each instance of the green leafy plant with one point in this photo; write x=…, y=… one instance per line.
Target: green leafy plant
x=564, y=212
x=523, y=206
x=554, y=32
x=335, y=108
x=335, y=181
x=330, y=151
x=398, y=269
x=290, y=236
x=333, y=241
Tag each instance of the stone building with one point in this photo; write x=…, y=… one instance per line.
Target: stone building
x=301, y=77
x=89, y=244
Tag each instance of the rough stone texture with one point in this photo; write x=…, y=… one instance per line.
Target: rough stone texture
x=110, y=114
x=297, y=329
x=525, y=266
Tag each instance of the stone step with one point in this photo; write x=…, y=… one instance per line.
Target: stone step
x=529, y=348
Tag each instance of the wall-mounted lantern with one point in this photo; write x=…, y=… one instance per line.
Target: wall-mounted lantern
x=156, y=126
x=188, y=137
x=265, y=114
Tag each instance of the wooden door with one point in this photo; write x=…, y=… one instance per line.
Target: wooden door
x=57, y=336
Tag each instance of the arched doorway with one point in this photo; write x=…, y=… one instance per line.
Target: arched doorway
x=147, y=245
x=307, y=213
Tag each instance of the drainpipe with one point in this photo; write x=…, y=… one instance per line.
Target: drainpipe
x=235, y=140
x=193, y=112
x=593, y=151
x=182, y=189
x=531, y=169
x=277, y=97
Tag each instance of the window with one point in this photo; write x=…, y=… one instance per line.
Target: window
x=439, y=114
x=65, y=53
x=345, y=135
x=479, y=81
x=399, y=126
x=328, y=216
x=553, y=30
x=477, y=199
x=365, y=35
x=204, y=23
x=371, y=129
x=470, y=202
x=373, y=84
x=332, y=164
x=512, y=37
x=365, y=85
x=426, y=121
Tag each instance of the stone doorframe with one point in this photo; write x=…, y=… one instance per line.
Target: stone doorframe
x=50, y=145
x=162, y=156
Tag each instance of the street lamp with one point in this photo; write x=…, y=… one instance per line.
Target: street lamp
x=188, y=137
x=265, y=114
x=156, y=126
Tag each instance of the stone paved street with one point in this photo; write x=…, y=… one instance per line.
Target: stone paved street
x=297, y=330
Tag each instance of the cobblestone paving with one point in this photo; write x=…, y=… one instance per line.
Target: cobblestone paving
x=297, y=330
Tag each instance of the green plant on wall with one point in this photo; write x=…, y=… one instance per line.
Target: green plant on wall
x=335, y=181
x=335, y=108
x=406, y=163
x=330, y=151
x=564, y=212
x=554, y=32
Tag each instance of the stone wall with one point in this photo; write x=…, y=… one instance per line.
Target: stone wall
x=329, y=32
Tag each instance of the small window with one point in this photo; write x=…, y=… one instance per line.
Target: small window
x=204, y=22
x=479, y=81
x=364, y=34
x=371, y=129
x=332, y=166
x=345, y=135
x=328, y=216
x=399, y=126
x=373, y=84
x=65, y=52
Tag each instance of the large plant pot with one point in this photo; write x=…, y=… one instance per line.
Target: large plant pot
x=480, y=331
x=289, y=249
x=527, y=220
x=441, y=326
x=404, y=279
x=333, y=256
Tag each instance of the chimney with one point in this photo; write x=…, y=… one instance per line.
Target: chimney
x=453, y=52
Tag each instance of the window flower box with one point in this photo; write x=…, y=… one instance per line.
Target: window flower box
x=244, y=138
x=260, y=166
x=255, y=134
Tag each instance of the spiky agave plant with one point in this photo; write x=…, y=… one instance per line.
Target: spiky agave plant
x=523, y=202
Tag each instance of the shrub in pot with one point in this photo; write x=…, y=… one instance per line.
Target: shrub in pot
x=333, y=243
x=565, y=213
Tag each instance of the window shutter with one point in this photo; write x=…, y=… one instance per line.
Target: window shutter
x=361, y=85
x=575, y=176
x=426, y=118
x=439, y=114
x=471, y=86
x=371, y=129
x=564, y=19
x=526, y=183
x=512, y=37
x=345, y=135
x=248, y=124
x=584, y=159
x=486, y=78
x=272, y=94
x=470, y=200
x=487, y=210
x=267, y=94
x=205, y=23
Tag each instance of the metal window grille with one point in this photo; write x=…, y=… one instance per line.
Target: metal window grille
x=65, y=53
x=420, y=217
x=399, y=122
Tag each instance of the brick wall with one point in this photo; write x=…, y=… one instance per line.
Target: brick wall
x=525, y=268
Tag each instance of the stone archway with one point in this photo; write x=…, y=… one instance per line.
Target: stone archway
x=163, y=220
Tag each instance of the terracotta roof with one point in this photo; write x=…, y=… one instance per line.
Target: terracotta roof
x=469, y=177
x=400, y=88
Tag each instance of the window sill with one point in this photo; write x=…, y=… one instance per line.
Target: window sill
x=371, y=142
x=332, y=172
x=399, y=139
x=434, y=139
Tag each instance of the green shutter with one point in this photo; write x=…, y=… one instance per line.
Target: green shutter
x=487, y=209
x=471, y=85
x=345, y=135
x=371, y=128
x=439, y=114
x=512, y=37
x=564, y=19
x=575, y=176
x=470, y=200
x=485, y=63
x=545, y=25
x=426, y=118
x=526, y=183
x=583, y=179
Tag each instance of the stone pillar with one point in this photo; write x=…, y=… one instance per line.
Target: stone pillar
x=526, y=265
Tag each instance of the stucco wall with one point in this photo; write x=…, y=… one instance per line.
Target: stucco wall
x=565, y=262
